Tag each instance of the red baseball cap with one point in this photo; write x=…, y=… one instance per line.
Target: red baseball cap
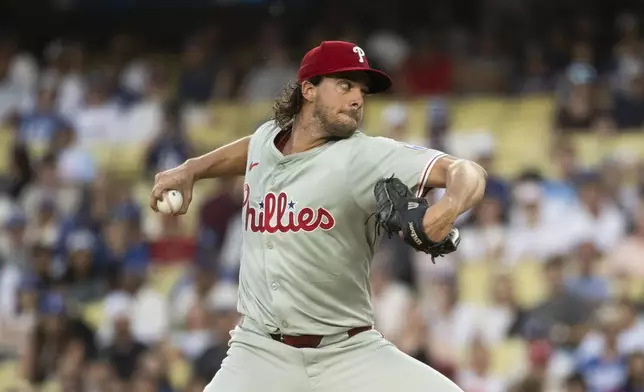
x=340, y=56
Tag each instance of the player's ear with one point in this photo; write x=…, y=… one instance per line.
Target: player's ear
x=309, y=90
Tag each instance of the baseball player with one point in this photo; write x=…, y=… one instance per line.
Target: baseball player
x=317, y=195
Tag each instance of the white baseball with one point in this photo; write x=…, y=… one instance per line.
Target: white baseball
x=171, y=203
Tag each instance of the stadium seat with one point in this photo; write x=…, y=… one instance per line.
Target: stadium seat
x=215, y=127
x=528, y=282
x=163, y=278
x=5, y=151
x=52, y=386
x=9, y=377
x=509, y=357
x=467, y=115
x=632, y=288
x=474, y=282
x=180, y=372
x=93, y=313
x=592, y=148
x=126, y=160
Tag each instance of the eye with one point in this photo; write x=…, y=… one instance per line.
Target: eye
x=346, y=86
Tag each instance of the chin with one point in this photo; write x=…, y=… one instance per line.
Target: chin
x=344, y=130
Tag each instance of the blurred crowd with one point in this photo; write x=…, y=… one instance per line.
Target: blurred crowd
x=75, y=236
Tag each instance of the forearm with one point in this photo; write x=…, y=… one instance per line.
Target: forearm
x=227, y=161
x=464, y=185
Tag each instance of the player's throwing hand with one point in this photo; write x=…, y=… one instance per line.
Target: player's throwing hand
x=181, y=178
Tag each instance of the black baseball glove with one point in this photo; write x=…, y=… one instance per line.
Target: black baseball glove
x=399, y=210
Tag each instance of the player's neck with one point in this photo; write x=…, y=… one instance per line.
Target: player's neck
x=305, y=134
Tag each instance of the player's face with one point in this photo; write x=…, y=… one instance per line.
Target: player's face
x=339, y=103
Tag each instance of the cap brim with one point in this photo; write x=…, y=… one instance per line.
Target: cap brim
x=378, y=80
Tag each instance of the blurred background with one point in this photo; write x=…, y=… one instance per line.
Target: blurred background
x=97, y=293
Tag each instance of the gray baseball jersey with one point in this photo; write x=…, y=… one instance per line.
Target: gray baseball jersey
x=307, y=249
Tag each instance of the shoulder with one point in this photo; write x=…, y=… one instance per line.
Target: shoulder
x=361, y=138
x=267, y=128
x=382, y=142
x=264, y=133
x=362, y=143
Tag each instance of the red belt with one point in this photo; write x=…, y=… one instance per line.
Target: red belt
x=311, y=341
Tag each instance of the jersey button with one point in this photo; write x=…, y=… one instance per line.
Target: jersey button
x=284, y=324
x=269, y=245
x=275, y=285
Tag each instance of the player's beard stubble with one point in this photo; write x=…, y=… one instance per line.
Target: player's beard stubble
x=334, y=124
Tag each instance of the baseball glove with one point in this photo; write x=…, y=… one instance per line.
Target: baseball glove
x=399, y=210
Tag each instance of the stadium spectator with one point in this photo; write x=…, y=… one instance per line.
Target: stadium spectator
x=125, y=351
x=75, y=165
x=97, y=122
x=149, y=310
x=562, y=315
x=477, y=376
x=594, y=209
x=533, y=223
x=568, y=169
x=44, y=267
x=629, y=104
x=266, y=81
x=15, y=249
x=83, y=277
x=197, y=79
x=218, y=210
x=586, y=281
x=11, y=94
x=389, y=48
x=447, y=320
x=57, y=337
x=47, y=184
x=170, y=146
x=487, y=234
x=39, y=126
x=200, y=285
x=68, y=77
x=21, y=171
x=635, y=378
x=392, y=301
x=626, y=259
x=536, y=75
x=575, y=383
x=223, y=316
x=427, y=70
x=605, y=370
x=487, y=70
x=152, y=373
x=395, y=118
x=143, y=121
x=614, y=179
x=502, y=312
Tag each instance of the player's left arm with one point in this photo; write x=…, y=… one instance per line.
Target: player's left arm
x=419, y=169
x=464, y=182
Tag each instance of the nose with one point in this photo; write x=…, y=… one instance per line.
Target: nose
x=357, y=99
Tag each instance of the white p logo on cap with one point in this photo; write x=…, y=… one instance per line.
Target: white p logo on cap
x=360, y=52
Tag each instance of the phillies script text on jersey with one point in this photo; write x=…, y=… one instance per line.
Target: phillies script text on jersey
x=273, y=210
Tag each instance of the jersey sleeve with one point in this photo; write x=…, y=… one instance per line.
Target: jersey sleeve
x=373, y=158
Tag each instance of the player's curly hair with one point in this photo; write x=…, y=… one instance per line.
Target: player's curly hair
x=289, y=103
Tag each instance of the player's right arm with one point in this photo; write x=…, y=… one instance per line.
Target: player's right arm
x=227, y=161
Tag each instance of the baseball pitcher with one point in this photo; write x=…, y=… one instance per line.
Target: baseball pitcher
x=318, y=195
